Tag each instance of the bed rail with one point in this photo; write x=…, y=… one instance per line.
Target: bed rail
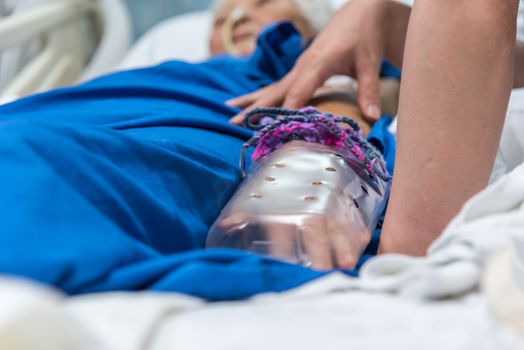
x=65, y=52
x=17, y=29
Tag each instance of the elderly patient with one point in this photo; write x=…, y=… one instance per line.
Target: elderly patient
x=236, y=26
x=113, y=184
x=237, y=23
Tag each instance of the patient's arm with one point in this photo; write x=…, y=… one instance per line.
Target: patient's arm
x=342, y=100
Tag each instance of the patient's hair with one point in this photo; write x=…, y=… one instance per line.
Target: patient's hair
x=317, y=12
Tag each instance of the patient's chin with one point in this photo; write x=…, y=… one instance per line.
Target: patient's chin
x=245, y=47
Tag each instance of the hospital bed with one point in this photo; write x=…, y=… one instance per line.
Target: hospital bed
x=333, y=313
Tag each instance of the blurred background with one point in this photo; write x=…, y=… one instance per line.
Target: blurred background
x=89, y=46
x=147, y=13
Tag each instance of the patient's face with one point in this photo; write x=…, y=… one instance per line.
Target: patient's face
x=257, y=15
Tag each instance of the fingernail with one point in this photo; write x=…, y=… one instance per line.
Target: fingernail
x=373, y=111
x=348, y=262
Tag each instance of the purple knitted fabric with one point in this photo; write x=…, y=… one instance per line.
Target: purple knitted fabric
x=278, y=126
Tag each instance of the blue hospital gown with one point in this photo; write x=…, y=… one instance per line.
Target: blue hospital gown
x=113, y=184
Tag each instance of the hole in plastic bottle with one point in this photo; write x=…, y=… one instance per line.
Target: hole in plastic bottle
x=331, y=170
x=317, y=183
x=310, y=198
x=280, y=165
x=356, y=203
x=256, y=196
x=365, y=190
x=270, y=179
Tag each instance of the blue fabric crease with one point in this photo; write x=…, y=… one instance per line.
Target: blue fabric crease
x=113, y=184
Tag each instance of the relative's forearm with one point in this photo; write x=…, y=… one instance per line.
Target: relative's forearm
x=518, y=80
x=458, y=72
x=397, y=19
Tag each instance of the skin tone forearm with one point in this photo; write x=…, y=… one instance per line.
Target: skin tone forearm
x=518, y=81
x=342, y=100
x=397, y=18
x=458, y=72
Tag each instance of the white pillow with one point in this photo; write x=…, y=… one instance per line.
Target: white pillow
x=180, y=38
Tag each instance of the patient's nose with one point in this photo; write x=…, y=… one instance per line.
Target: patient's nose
x=242, y=20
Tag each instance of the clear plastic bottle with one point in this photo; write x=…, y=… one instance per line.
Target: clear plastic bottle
x=305, y=203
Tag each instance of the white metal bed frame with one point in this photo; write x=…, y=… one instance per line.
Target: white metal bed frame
x=65, y=31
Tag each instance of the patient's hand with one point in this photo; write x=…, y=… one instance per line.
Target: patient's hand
x=341, y=99
x=318, y=241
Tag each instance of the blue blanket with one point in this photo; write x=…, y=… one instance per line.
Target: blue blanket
x=113, y=184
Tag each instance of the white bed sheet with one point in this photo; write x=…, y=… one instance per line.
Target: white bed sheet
x=321, y=315
x=181, y=38
x=350, y=320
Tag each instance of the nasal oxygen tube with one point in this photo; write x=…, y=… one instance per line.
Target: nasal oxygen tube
x=315, y=185
x=227, y=30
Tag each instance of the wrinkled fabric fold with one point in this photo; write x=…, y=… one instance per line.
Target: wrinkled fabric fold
x=113, y=184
